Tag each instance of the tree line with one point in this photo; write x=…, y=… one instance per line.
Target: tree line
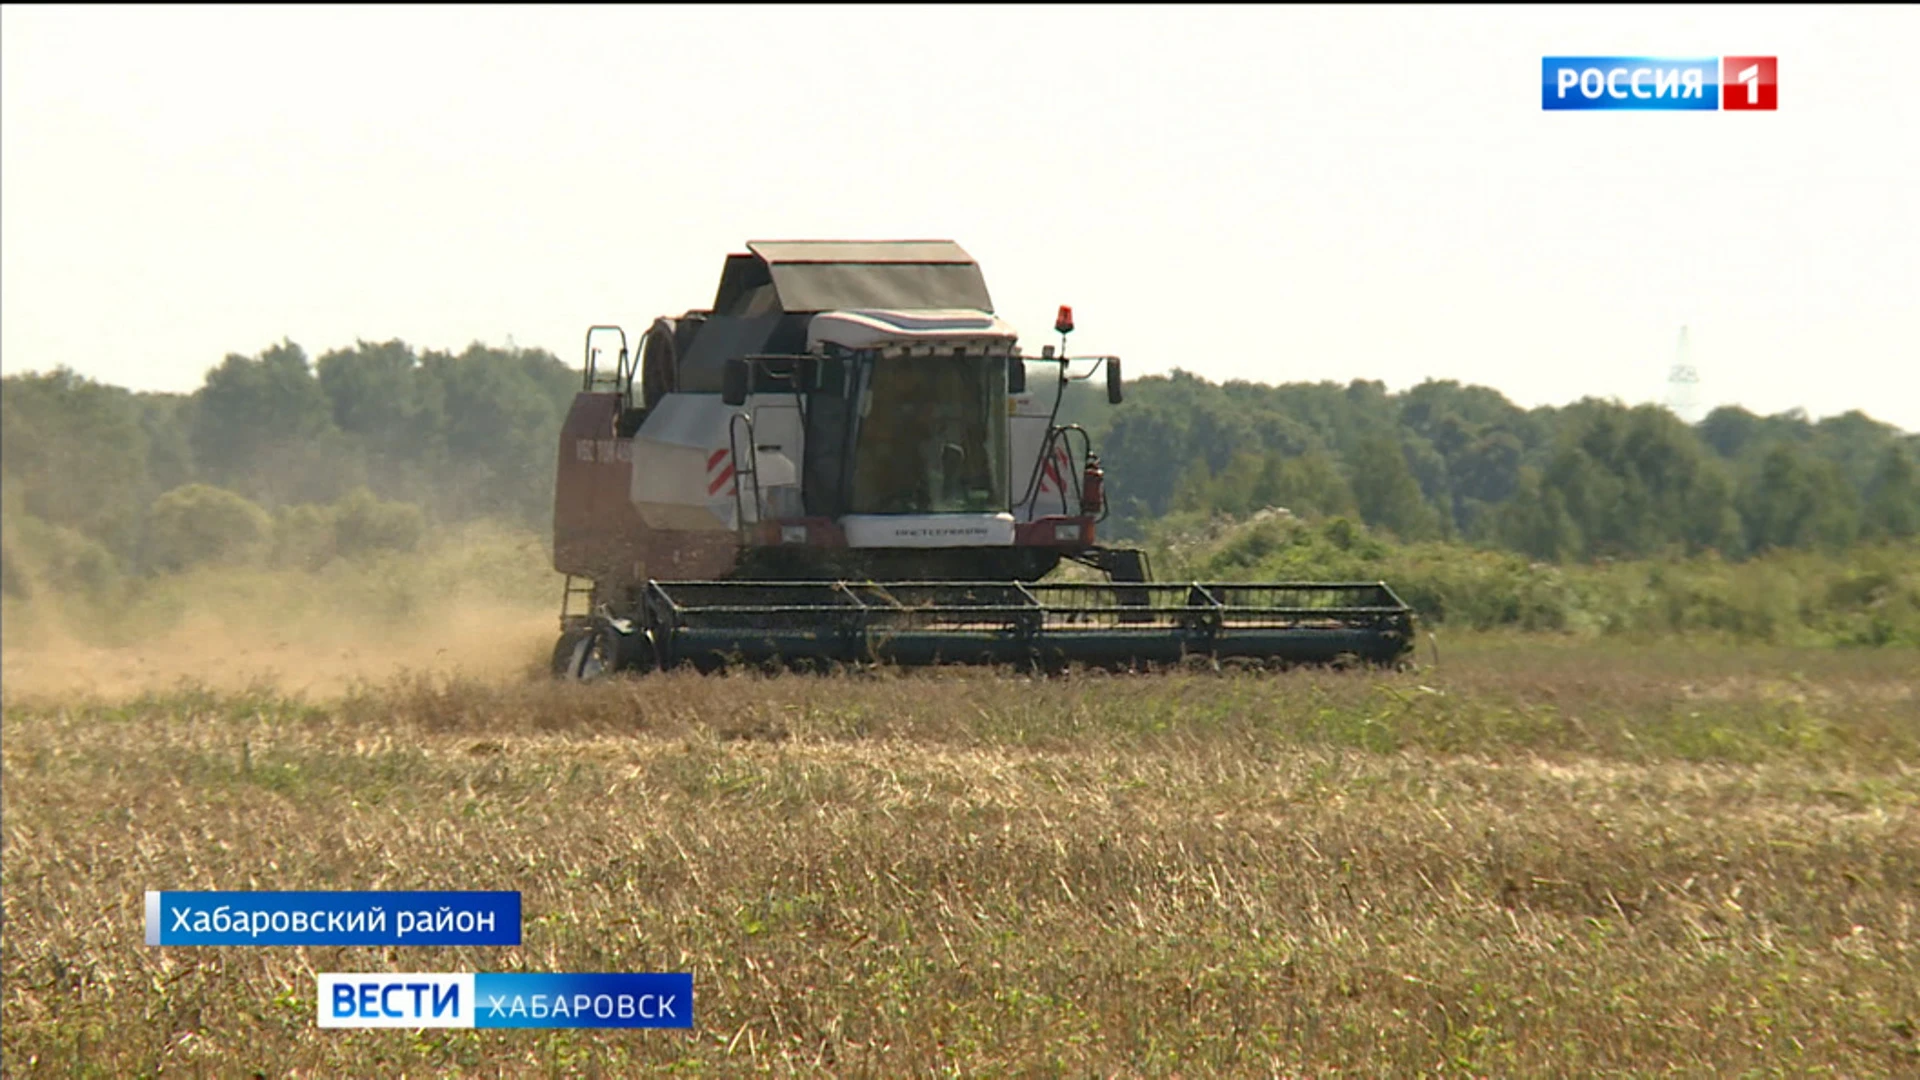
x=284, y=457
x=1443, y=461
x=277, y=457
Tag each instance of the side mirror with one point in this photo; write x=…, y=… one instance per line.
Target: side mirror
x=1113, y=380
x=1016, y=375
x=733, y=382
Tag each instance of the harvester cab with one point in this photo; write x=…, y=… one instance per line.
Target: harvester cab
x=843, y=460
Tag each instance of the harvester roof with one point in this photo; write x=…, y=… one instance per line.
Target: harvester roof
x=785, y=252
x=802, y=276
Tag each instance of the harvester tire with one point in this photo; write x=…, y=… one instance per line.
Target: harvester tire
x=566, y=652
x=605, y=651
x=601, y=654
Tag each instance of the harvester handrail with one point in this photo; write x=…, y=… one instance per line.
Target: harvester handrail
x=589, y=366
x=750, y=467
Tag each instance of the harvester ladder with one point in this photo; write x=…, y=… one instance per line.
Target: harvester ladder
x=580, y=588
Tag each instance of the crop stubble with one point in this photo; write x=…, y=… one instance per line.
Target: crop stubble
x=1530, y=860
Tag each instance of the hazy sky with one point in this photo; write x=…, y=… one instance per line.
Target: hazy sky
x=1271, y=194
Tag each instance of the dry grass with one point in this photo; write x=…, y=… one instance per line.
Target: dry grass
x=1532, y=860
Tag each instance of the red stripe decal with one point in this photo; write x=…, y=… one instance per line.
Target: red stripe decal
x=720, y=481
x=713, y=459
x=1055, y=466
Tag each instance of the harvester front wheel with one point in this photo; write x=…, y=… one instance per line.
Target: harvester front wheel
x=566, y=652
x=606, y=649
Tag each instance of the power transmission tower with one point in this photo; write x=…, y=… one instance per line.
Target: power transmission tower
x=1683, y=383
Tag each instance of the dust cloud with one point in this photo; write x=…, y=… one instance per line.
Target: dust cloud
x=311, y=657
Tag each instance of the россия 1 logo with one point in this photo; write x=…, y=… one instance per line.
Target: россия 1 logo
x=1709, y=84
x=1749, y=82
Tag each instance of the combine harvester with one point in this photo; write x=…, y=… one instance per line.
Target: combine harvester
x=841, y=462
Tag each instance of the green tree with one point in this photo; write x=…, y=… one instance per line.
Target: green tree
x=1707, y=517
x=303, y=537
x=1430, y=472
x=1238, y=489
x=1193, y=491
x=1729, y=429
x=1536, y=521
x=1146, y=453
x=1892, y=507
x=75, y=451
x=1855, y=443
x=1637, y=481
x=1309, y=485
x=1794, y=501
x=364, y=525
x=264, y=427
x=376, y=393
x=1219, y=432
x=35, y=554
x=167, y=421
x=198, y=525
x=1386, y=493
x=1485, y=472
x=501, y=417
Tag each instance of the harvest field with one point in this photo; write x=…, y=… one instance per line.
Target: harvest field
x=1535, y=858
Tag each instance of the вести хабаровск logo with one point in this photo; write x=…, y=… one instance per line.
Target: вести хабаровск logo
x=505, y=1000
x=1618, y=83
